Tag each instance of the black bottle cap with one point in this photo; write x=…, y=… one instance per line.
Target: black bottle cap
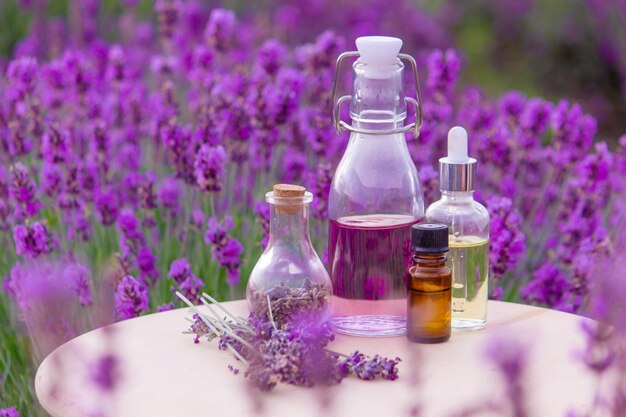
x=429, y=238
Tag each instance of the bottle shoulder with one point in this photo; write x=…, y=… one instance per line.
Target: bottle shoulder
x=376, y=175
x=466, y=205
x=466, y=217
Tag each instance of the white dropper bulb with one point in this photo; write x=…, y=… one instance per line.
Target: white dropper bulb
x=457, y=145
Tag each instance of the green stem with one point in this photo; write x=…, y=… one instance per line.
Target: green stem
x=212, y=204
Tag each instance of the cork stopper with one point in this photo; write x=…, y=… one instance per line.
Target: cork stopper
x=283, y=193
x=288, y=190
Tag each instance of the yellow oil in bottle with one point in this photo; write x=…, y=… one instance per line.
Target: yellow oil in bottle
x=469, y=260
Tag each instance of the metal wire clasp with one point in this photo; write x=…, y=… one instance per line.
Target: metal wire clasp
x=340, y=125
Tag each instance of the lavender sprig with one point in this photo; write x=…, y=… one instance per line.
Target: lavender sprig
x=294, y=352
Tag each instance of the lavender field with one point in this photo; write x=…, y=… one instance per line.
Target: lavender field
x=138, y=138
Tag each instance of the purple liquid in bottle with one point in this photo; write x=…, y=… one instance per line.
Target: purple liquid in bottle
x=368, y=260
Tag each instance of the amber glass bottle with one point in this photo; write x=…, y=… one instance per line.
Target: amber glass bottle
x=429, y=297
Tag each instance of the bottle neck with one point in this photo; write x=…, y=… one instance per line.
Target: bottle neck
x=384, y=125
x=457, y=197
x=378, y=99
x=430, y=260
x=289, y=226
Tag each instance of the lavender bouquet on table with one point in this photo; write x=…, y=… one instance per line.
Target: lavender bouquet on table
x=292, y=351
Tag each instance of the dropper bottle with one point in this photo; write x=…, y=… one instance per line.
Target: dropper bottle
x=468, y=223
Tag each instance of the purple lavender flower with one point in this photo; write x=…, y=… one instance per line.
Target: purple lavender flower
x=9, y=412
x=23, y=72
x=194, y=16
x=548, y=286
x=220, y=28
x=32, y=240
x=280, y=99
x=131, y=184
x=132, y=238
x=55, y=145
x=128, y=156
x=23, y=191
x=201, y=62
x=596, y=169
x=178, y=141
x=18, y=142
x=107, y=204
x=294, y=165
x=476, y=115
x=79, y=276
x=497, y=293
x=511, y=105
x=197, y=218
x=116, y=68
x=145, y=191
x=100, y=147
x=146, y=261
x=429, y=179
x=573, y=133
x=54, y=81
x=163, y=66
x=6, y=207
x=217, y=232
x=165, y=307
x=536, y=116
x=79, y=72
x=225, y=249
x=271, y=55
x=131, y=298
x=320, y=187
x=495, y=150
x=168, y=11
x=262, y=211
x=50, y=179
x=199, y=328
x=369, y=368
x=583, y=200
x=5, y=213
x=506, y=239
x=209, y=168
x=295, y=356
x=593, y=251
x=229, y=256
x=191, y=288
x=169, y=194
x=320, y=56
x=443, y=71
x=78, y=226
x=180, y=270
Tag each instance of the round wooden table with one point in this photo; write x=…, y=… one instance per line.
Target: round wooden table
x=163, y=373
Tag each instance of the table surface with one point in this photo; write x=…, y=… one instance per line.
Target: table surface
x=163, y=373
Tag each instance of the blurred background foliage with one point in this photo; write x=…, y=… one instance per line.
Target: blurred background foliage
x=552, y=48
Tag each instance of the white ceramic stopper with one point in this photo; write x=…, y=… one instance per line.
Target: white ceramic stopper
x=379, y=53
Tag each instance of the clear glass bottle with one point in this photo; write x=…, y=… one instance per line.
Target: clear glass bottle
x=289, y=274
x=468, y=223
x=429, y=301
x=375, y=198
